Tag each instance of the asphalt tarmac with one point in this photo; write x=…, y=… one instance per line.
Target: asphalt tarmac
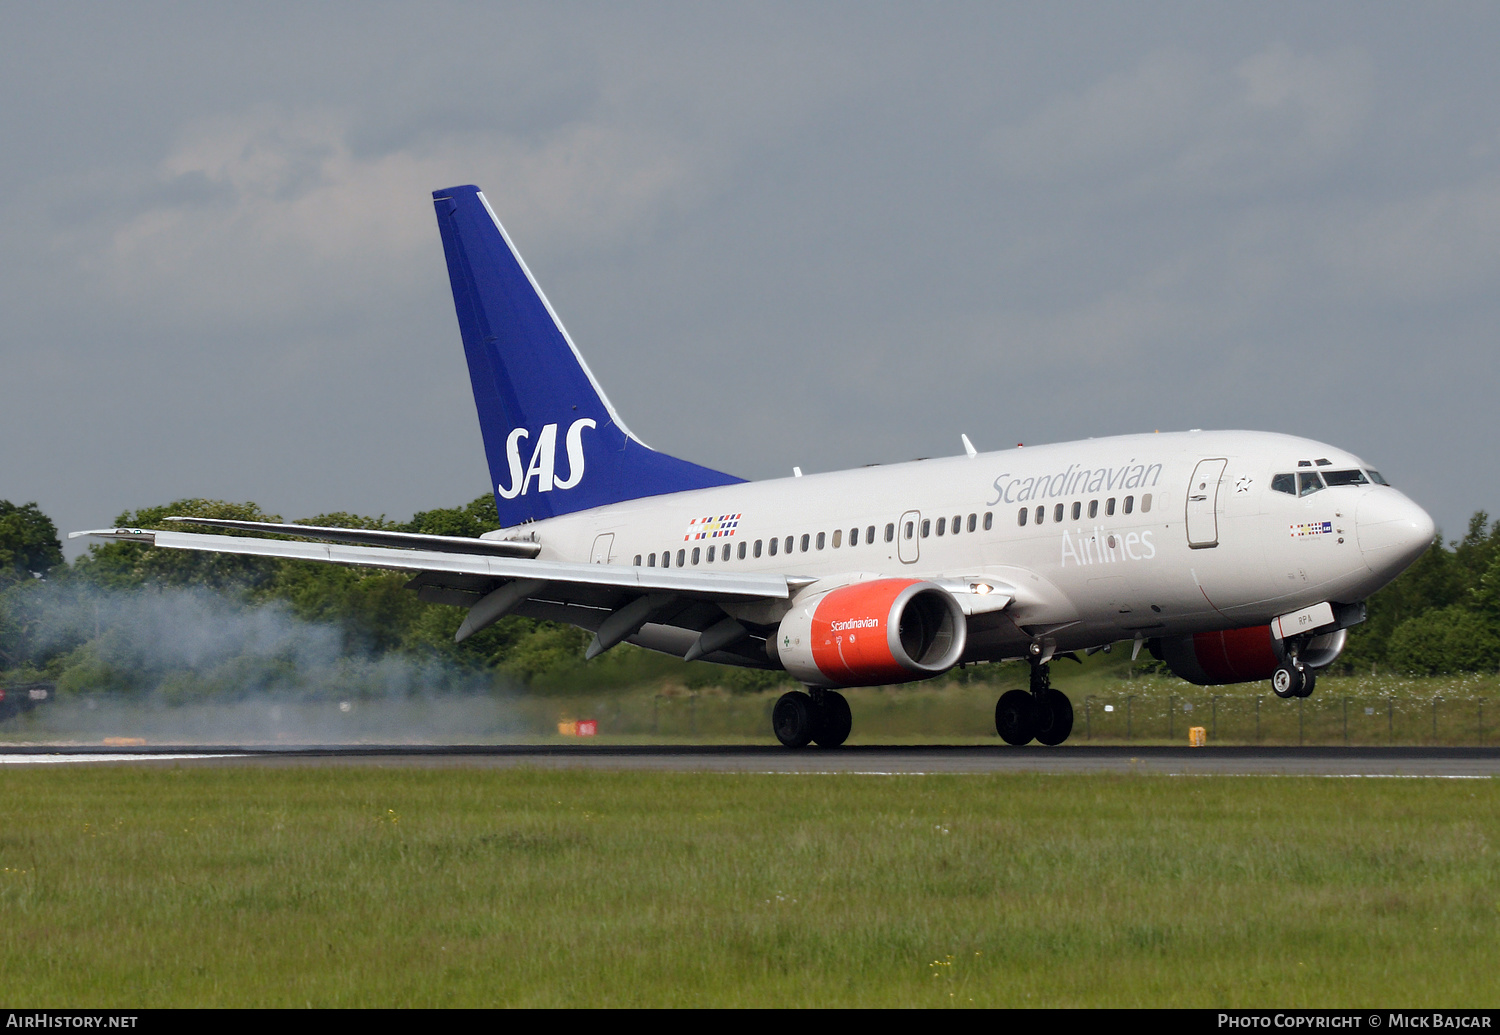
x=1453, y=763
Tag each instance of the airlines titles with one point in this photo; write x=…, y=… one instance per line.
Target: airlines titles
x=1099, y=547
x=1131, y=475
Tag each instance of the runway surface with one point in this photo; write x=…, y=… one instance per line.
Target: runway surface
x=1472, y=763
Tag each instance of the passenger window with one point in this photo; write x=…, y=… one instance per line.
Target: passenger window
x=1021, y=517
x=805, y=540
x=909, y=527
x=973, y=520
x=681, y=556
x=711, y=551
x=651, y=560
x=926, y=527
x=637, y=560
x=958, y=523
x=989, y=520
x=774, y=543
x=1077, y=509
x=890, y=531
x=1041, y=513
x=696, y=553
x=1057, y=512
x=870, y=534
x=1109, y=506
x=838, y=537
x=1286, y=483
x=742, y=550
x=1093, y=508
x=1308, y=483
x=1129, y=504
x=1376, y=477
x=853, y=537
x=1344, y=478
x=942, y=523
x=822, y=536
x=757, y=547
x=1146, y=503
x=787, y=546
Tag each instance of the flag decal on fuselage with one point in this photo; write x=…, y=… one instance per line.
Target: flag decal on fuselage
x=721, y=527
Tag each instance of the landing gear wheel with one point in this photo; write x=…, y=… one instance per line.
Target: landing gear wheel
x=1014, y=717
x=1054, y=718
x=1287, y=681
x=1309, y=681
x=833, y=721
x=792, y=719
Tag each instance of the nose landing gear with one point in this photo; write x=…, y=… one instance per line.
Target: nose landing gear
x=1044, y=714
x=1293, y=680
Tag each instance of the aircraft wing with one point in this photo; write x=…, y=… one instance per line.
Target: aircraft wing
x=376, y=537
x=662, y=608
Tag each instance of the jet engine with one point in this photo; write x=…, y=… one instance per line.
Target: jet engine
x=871, y=633
x=1241, y=655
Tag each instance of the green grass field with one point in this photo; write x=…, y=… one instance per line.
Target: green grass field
x=377, y=886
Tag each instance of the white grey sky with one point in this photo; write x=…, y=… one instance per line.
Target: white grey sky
x=815, y=234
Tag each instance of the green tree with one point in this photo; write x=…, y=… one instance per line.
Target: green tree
x=1448, y=640
x=1442, y=614
x=473, y=519
x=28, y=541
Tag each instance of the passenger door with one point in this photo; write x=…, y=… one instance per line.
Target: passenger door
x=602, y=546
x=1203, y=504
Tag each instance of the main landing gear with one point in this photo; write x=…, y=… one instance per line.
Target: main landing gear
x=1044, y=714
x=819, y=716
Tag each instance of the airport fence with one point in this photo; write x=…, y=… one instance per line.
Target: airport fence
x=1341, y=712
x=1355, y=720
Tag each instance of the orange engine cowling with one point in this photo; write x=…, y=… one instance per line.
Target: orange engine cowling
x=1240, y=655
x=872, y=633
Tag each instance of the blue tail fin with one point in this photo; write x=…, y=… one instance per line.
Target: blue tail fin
x=554, y=443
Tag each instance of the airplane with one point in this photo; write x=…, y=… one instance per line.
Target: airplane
x=1233, y=556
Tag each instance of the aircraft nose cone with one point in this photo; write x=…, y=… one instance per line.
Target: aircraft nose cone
x=1393, y=531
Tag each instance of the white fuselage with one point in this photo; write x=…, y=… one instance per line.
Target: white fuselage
x=1103, y=553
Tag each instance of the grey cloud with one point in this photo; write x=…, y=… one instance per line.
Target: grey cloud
x=782, y=234
x=1179, y=121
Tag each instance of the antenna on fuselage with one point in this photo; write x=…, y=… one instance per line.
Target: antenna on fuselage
x=969, y=447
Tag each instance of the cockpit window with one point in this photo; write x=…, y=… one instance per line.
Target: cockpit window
x=1309, y=483
x=1345, y=478
x=1375, y=477
x=1286, y=483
